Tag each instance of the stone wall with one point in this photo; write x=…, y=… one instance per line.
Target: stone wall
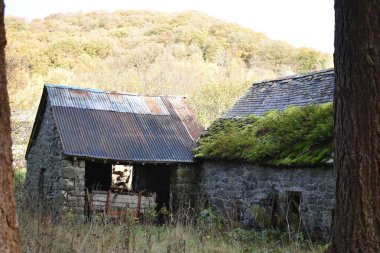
x=72, y=187
x=236, y=187
x=184, y=186
x=54, y=182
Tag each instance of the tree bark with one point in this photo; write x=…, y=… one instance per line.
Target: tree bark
x=9, y=233
x=356, y=224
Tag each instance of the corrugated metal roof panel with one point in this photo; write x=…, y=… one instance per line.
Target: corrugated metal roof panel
x=99, y=101
x=138, y=105
x=161, y=105
x=187, y=117
x=59, y=97
x=119, y=102
x=122, y=136
x=106, y=101
x=78, y=98
x=152, y=106
x=123, y=127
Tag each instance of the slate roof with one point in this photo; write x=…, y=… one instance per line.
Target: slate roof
x=278, y=94
x=121, y=126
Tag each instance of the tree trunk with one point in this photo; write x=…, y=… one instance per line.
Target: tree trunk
x=9, y=234
x=356, y=225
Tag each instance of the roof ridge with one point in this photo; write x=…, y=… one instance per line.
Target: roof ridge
x=108, y=92
x=292, y=77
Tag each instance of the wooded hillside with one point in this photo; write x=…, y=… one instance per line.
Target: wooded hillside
x=190, y=53
x=210, y=61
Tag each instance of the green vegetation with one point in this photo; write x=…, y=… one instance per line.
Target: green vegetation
x=18, y=183
x=41, y=235
x=298, y=135
x=206, y=232
x=210, y=61
x=189, y=53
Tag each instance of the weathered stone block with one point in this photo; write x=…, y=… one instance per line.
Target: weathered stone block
x=184, y=172
x=82, y=164
x=78, y=193
x=65, y=184
x=81, y=184
x=69, y=172
x=81, y=173
x=241, y=173
x=66, y=163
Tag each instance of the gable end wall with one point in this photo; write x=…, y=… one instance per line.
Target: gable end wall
x=54, y=183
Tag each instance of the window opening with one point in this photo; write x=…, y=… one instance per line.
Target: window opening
x=122, y=178
x=98, y=176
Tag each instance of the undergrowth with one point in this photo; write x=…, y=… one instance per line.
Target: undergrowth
x=39, y=234
x=210, y=232
x=297, y=135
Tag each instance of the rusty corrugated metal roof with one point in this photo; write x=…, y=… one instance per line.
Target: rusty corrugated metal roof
x=121, y=126
x=105, y=101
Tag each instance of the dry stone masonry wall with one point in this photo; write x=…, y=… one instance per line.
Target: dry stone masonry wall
x=72, y=186
x=184, y=186
x=236, y=187
x=54, y=182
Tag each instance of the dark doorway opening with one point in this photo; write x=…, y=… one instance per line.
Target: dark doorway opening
x=154, y=179
x=98, y=176
x=293, y=204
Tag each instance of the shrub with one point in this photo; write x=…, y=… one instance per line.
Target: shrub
x=261, y=216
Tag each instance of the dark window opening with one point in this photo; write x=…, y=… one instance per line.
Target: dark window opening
x=98, y=176
x=293, y=208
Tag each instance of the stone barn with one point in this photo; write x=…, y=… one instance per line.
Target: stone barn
x=92, y=150
x=308, y=191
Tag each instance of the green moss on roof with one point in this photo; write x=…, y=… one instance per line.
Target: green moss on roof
x=295, y=136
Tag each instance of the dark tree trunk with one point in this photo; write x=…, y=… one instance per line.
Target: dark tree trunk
x=9, y=234
x=356, y=225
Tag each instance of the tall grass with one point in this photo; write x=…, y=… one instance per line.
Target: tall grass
x=41, y=235
x=208, y=232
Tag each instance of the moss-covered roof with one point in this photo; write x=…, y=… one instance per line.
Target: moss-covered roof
x=295, y=136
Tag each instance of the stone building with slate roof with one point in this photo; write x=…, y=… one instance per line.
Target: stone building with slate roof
x=80, y=136
x=307, y=193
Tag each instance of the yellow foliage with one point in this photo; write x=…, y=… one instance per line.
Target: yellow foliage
x=209, y=61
